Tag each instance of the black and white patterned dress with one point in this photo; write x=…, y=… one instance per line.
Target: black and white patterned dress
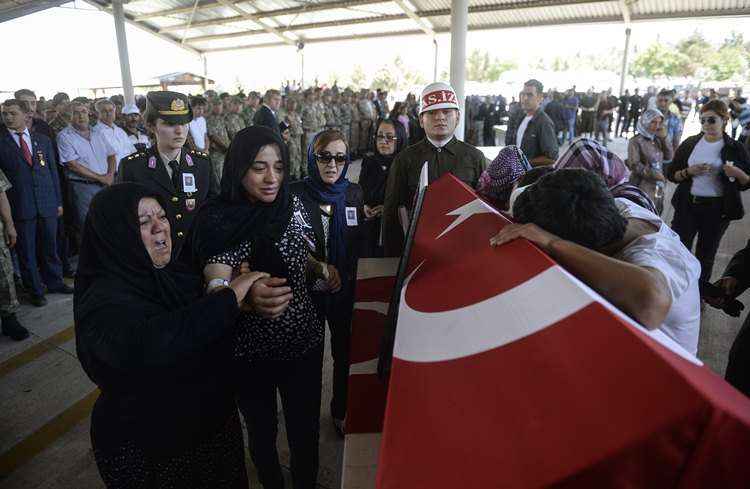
x=299, y=329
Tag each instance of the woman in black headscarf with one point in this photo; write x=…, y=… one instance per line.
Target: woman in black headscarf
x=390, y=139
x=279, y=343
x=336, y=208
x=155, y=348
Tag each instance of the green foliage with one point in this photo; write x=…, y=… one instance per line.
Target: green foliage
x=728, y=61
x=480, y=67
x=660, y=60
x=396, y=76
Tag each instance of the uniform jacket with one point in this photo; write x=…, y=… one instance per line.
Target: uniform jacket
x=539, y=139
x=36, y=190
x=732, y=151
x=147, y=167
x=266, y=117
x=462, y=160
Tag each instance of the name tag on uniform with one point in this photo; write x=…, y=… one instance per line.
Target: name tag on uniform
x=188, y=183
x=351, y=216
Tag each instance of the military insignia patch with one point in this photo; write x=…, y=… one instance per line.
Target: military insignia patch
x=152, y=162
x=190, y=204
x=177, y=104
x=189, y=160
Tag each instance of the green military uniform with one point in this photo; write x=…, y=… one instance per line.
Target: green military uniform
x=354, y=131
x=248, y=114
x=345, y=119
x=298, y=166
x=461, y=159
x=8, y=298
x=310, y=125
x=320, y=112
x=234, y=123
x=217, y=129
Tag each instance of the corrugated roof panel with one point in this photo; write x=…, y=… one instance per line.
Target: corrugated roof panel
x=355, y=30
x=234, y=42
x=431, y=4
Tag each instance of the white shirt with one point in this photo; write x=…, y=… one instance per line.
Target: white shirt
x=198, y=131
x=708, y=185
x=166, y=161
x=439, y=144
x=664, y=251
x=119, y=140
x=91, y=153
x=26, y=137
x=139, y=138
x=522, y=129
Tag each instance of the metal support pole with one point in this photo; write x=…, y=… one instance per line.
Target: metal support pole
x=122, y=49
x=624, y=71
x=205, y=72
x=301, y=51
x=435, y=66
x=459, y=27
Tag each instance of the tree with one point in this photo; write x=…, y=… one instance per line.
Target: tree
x=698, y=50
x=480, y=67
x=660, y=60
x=358, y=77
x=728, y=61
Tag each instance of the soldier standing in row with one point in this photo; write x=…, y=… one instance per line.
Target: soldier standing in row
x=367, y=117
x=218, y=137
x=345, y=117
x=328, y=112
x=8, y=299
x=354, y=131
x=298, y=167
x=252, y=104
x=310, y=123
x=182, y=177
x=233, y=119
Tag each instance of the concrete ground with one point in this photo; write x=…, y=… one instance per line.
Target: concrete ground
x=46, y=398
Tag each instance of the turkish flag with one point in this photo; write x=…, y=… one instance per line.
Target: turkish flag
x=509, y=372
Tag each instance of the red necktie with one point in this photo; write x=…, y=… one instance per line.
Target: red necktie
x=25, y=149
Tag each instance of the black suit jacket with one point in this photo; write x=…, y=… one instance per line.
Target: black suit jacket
x=147, y=167
x=264, y=117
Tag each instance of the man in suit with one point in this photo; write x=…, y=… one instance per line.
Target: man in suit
x=531, y=129
x=266, y=114
x=28, y=160
x=183, y=177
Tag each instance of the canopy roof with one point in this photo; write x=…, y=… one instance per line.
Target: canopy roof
x=204, y=26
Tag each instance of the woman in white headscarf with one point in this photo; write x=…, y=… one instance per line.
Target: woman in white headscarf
x=647, y=151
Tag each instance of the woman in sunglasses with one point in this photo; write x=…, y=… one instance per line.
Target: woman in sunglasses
x=336, y=210
x=390, y=139
x=710, y=170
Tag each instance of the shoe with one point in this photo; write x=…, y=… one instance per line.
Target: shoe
x=338, y=425
x=38, y=300
x=13, y=329
x=63, y=289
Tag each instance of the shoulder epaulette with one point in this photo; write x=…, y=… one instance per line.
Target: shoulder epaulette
x=135, y=155
x=199, y=153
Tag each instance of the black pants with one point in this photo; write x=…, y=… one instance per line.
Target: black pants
x=738, y=368
x=339, y=316
x=299, y=383
x=704, y=219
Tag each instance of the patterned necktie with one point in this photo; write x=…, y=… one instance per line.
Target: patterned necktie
x=25, y=149
x=175, y=166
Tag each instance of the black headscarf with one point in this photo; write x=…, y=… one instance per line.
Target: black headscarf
x=231, y=219
x=114, y=263
x=386, y=160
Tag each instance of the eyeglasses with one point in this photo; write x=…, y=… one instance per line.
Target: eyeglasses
x=384, y=138
x=708, y=120
x=325, y=158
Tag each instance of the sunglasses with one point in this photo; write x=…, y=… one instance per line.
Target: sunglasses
x=386, y=138
x=709, y=120
x=325, y=158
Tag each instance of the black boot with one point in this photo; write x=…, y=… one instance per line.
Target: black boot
x=12, y=328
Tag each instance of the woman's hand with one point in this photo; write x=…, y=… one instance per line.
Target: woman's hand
x=373, y=212
x=700, y=169
x=269, y=297
x=334, y=279
x=242, y=284
x=734, y=172
x=532, y=232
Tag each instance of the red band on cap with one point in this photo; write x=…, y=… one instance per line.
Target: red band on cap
x=438, y=97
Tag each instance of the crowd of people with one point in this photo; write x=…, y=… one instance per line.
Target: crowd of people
x=218, y=234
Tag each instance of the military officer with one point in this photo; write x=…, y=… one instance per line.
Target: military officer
x=218, y=137
x=233, y=120
x=345, y=117
x=310, y=121
x=181, y=176
x=356, y=117
x=294, y=120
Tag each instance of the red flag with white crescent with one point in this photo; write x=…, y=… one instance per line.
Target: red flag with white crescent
x=509, y=372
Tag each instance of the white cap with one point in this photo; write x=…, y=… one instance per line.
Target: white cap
x=438, y=95
x=130, y=109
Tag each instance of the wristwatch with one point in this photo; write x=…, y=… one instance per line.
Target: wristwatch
x=216, y=283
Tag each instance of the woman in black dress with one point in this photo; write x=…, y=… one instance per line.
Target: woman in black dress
x=156, y=349
x=336, y=208
x=278, y=346
x=390, y=139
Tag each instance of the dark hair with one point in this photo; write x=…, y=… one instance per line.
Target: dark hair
x=198, y=100
x=575, y=205
x=60, y=97
x=716, y=106
x=21, y=104
x=270, y=94
x=536, y=84
x=327, y=137
x=24, y=91
x=535, y=174
x=665, y=93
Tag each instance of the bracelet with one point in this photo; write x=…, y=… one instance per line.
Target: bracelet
x=216, y=283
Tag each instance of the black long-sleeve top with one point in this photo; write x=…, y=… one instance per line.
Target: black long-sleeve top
x=163, y=373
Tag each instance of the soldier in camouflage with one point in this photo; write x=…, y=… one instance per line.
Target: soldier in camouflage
x=218, y=137
x=233, y=120
x=310, y=121
x=251, y=107
x=356, y=117
x=345, y=117
x=8, y=300
x=328, y=112
x=298, y=167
